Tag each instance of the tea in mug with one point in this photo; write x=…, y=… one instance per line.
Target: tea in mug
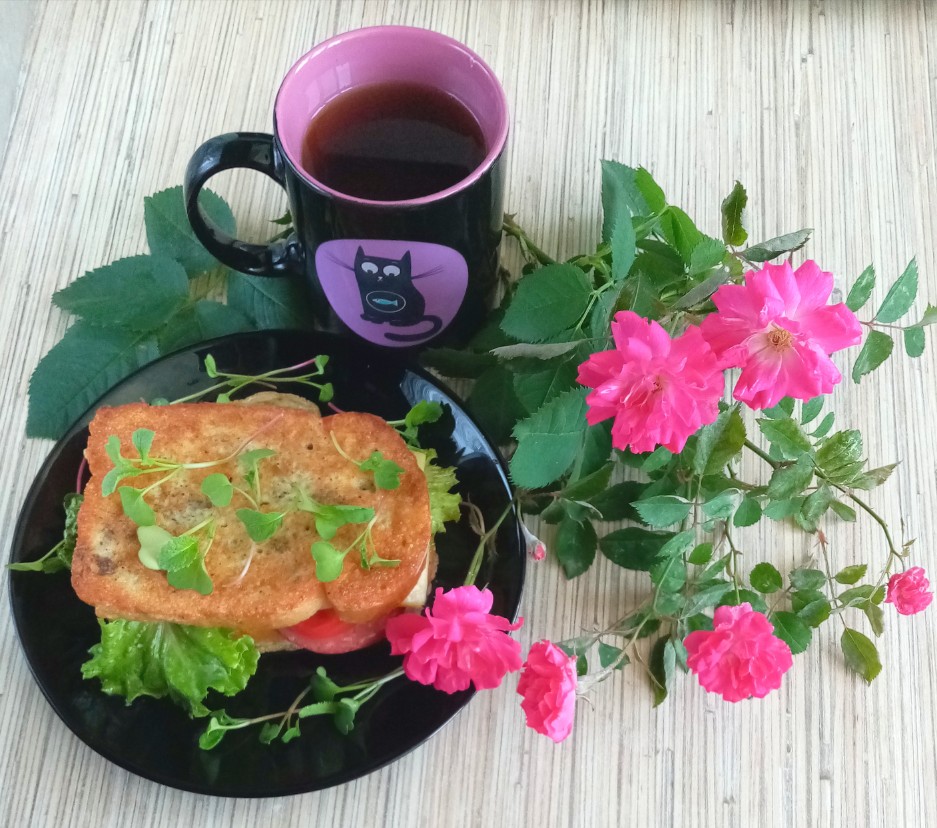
x=392, y=141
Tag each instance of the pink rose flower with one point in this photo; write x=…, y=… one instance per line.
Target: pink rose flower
x=548, y=685
x=908, y=591
x=659, y=390
x=779, y=330
x=456, y=642
x=740, y=657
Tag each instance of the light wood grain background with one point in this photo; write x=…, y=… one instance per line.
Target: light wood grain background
x=824, y=110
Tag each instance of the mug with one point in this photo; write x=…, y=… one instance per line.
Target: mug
x=397, y=273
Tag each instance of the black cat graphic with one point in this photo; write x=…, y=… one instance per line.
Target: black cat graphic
x=388, y=294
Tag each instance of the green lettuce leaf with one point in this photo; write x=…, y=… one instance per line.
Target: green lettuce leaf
x=137, y=659
x=443, y=504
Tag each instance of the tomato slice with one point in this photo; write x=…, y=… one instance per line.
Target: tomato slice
x=325, y=632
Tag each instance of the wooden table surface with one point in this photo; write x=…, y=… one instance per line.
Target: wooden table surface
x=824, y=110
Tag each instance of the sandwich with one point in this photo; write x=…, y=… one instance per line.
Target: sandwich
x=261, y=518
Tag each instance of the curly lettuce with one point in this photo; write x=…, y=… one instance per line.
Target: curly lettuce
x=170, y=660
x=443, y=503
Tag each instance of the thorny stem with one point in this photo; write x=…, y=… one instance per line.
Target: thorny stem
x=735, y=561
x=762, y=454
x=484, y=537
x=513, y=229
x=590, y=681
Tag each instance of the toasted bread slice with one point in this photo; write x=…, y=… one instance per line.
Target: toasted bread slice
x=256, y=586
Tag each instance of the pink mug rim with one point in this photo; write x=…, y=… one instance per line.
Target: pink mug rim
x=497, y=146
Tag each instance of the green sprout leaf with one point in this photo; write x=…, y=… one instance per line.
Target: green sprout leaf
x=328, y=560
x=59, y=557
x=218, y=489
x=152, y=540
x=260, y=526
x=135, y=507
x=142, y=440
x=386, y=472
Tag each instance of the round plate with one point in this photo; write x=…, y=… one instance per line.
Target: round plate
x=156, y=739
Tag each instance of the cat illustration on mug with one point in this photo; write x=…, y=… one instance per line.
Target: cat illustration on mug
x=389, y=296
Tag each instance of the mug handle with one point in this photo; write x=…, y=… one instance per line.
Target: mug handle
x=253, y=150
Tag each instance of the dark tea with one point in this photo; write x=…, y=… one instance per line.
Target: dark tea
x=392, y=142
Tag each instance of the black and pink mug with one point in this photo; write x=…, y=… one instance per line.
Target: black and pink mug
x=397, y=217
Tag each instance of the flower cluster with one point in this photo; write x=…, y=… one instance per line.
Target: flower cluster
x=776, y=327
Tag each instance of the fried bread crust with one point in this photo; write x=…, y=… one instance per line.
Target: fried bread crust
x=257, y=586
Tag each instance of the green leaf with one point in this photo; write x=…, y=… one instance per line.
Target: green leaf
x=825, y=425
x=615, y=502
x=839, y=454
x=386, y=472
x=733, y=208
x=621, y=197
x=662, y=662
x=929, y=317
x=549, y=440
x=192, y=576
x=205, y=319
x=877, y=348
x=861, y=291
x=773, y=248
x=782, y=411
x=669, y=572
x=178, y=553
x=633, y=547
x=914, y=341
x=706, y=597
x=706, y=255
x=719, y=442
x=135, y=507
x=851, y=574
x=811, y=410
x=815, y=612
x=899, y=299
x=766, y=578
x=152, y=539
x=136, y=659
x=590, y=485
x=842, y=511
x=608, y=655
x=744, y=596
x=861, y=654
x=77, y=370
x=536, y=388
x=876, y=618
x=218, y=489
x=663, y=510
x=260, y=526
x=575, y=546
x=723, y=505
x=787, y=436
x=860, y=596
x=169, y=233
x=271, y=303
x=650, y=189
x=792, y=630
x=787, y=481
x=139, y=293
x=781, y=509
x=328, y=561
x=657, y=459
x=815, y=506
x=623, y=248
x=873, y=477
x=680, y=232
x=494, y=404
x=702, y=554
x=142, y=439
x=807, y=579
x=547, y=302
x=453, y=362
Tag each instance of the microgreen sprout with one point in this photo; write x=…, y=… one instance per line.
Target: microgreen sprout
x=329, y=559
x=386, y=472
x=181, y=557
x=425, y=411
x=59, y=557
x=330, y=699
x=231, y=383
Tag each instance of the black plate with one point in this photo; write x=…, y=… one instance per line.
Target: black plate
x=154, y=738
